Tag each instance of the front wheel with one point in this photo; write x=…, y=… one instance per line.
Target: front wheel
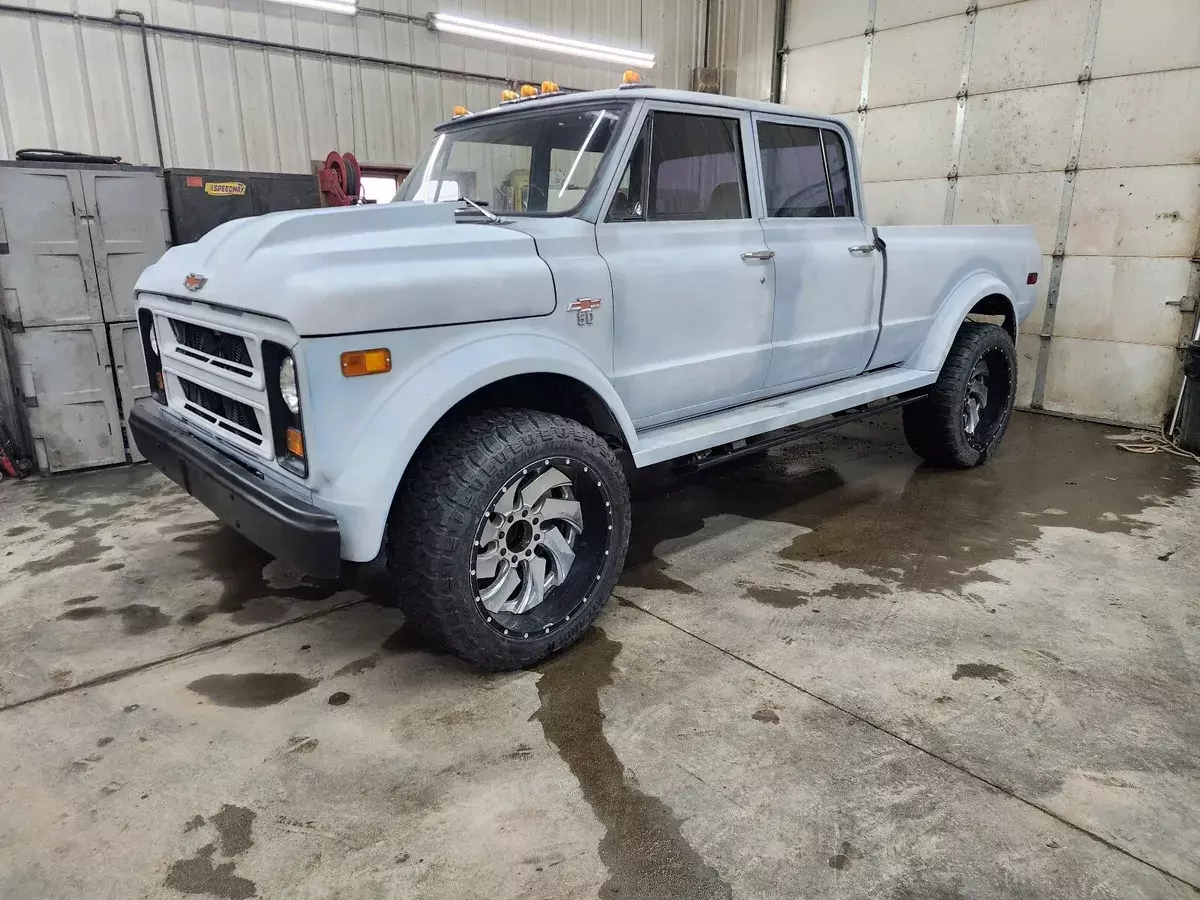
x=508, y=535
x=960, y=422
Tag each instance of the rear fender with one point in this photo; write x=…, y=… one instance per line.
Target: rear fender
x=361, y=495
x=932, y=353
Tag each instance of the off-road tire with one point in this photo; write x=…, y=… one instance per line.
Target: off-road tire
x=934, y=426
x=436, y=515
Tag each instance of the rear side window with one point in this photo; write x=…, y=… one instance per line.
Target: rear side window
x=804, y=172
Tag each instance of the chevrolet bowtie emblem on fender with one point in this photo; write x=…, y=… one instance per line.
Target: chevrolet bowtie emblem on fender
x=194, y=282
x=583, y=308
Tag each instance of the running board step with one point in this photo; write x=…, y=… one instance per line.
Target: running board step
x=694, y=435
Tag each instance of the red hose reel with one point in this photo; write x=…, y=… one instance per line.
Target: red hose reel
x=340, y=179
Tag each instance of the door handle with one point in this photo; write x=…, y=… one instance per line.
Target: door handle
x=759, y=254
x=862, y=249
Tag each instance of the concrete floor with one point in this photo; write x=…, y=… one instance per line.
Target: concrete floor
x=830, y=674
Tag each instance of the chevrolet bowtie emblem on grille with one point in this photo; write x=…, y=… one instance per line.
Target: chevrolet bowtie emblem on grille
x=194, y=282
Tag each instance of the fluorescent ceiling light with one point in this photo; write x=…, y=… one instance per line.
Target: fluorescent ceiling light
x=345, y=7
x=536, y=41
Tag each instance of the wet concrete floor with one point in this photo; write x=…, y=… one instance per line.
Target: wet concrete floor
x=830, y=673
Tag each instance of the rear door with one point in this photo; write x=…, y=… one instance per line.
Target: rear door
x=827, y=293
x=691, y=275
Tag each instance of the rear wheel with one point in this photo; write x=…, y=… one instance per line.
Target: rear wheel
x=508, y=535
x=962, y=420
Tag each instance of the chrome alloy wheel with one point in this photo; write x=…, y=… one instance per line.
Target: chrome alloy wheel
x=977, y=397
x=526, y=543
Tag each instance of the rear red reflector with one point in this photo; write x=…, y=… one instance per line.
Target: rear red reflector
x=1032, y=278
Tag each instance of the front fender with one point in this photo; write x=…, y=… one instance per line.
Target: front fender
x=400, y=419
x=932, y=353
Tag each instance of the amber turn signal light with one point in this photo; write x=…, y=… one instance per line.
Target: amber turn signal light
x=506, y=96
x=366, y=362
x=549, y=87
x=295, y=442
x=460, y=111
x=528, y=90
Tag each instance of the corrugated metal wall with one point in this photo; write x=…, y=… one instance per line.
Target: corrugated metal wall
x=1080, y=117
x=740, y=43
x=81, y=84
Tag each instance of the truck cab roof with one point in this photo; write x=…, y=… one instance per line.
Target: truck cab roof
x=631, y=93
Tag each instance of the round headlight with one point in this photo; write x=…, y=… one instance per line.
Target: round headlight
x=154, y=340
x=287, y=385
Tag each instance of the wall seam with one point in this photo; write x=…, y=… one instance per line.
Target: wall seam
x=864, y=90
x=960, y=115
x=1054, y=284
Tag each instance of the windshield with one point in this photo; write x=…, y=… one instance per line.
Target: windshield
x=537, y=163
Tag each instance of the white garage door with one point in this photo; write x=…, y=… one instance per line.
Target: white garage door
x=1076, y=116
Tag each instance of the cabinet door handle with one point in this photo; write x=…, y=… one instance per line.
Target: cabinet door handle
x=862, y=249
x=759, y=254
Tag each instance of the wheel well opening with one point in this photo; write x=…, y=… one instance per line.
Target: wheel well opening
x=997, y=310
x=560, y=395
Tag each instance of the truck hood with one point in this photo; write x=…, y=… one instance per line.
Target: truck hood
x=365, y=268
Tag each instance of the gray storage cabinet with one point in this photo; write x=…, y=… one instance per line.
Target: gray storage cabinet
x=73, y=240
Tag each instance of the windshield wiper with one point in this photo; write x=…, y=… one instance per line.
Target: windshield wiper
x=486, y=213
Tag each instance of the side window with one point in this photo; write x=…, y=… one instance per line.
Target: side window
x=794, y=171
x=839, y=174
x=629, y=202
x=696, y=169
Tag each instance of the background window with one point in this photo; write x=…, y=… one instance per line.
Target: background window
x=839, y=175
x=794, y=171
x=696, y=168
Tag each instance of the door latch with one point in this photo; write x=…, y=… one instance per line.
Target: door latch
x=759, y=254
x=862, y=249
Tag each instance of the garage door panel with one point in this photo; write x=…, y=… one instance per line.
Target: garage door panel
x=903, y=70
x=1146, y=36
x=1152, y=211
x=1028, y=45
x=895, y=13
x=826, y=78
x=1109, y=380
x=917, y=202
x=1115, y=298
x=1019, y=131
x=1143, y=120
x=817, y=21
x=1027, y=354
x=911, y=141
x=1029, y=199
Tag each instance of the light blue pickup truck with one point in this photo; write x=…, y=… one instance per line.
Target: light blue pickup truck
x=568, y=284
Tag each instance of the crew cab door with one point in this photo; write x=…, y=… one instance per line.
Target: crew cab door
x=827, y=292
x=691, y=274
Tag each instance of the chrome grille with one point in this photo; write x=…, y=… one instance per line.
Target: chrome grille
x=212, y=347
x=224, y=412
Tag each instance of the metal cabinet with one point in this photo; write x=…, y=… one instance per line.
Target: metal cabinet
x=73, y=241
x=129, y=365
x=46, y=263
x=66, y=383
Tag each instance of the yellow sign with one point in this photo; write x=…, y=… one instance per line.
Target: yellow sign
x=224, y=188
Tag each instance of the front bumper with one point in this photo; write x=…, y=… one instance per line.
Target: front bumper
x=301, y=535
